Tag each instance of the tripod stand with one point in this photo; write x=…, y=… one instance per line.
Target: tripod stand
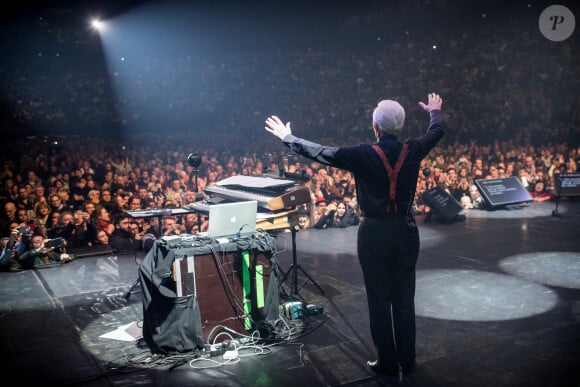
x=136, y=283
x=295, y=267
x=132, y=289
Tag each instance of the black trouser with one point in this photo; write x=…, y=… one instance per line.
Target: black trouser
x=388, y=251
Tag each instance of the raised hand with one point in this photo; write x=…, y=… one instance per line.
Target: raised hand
x=434, y=103
x=275, y=126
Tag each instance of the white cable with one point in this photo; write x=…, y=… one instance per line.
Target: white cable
x=216, y=364
x=222, y=333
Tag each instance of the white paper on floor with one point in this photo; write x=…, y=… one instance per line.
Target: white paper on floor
x=129, y=332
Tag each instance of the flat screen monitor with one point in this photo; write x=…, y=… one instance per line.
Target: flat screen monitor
x=503, y=192
x=445, y=206
x=567, y=184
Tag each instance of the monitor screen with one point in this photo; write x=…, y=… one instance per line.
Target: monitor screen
x=567, y=184
x=503, y=192
x=444, y=204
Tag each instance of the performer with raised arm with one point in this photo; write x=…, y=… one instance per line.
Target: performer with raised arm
x=386, y=175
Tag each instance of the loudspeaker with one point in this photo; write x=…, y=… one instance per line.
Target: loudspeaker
x=443, y=206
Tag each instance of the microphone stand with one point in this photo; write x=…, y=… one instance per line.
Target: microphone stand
x=194, y=160
x=196, y=171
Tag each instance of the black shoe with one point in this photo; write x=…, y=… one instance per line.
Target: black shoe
x=379, y=369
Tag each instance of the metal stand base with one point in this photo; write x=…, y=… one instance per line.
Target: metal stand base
x=132, y=289
x=294, y=268
x=555, y=213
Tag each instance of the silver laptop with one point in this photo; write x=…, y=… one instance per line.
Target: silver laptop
x=227, y=219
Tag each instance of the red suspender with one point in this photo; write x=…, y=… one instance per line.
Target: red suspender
x=393, y=173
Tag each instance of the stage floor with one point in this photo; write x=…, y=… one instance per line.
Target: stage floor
x=497, y=304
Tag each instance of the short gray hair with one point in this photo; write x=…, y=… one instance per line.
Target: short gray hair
x=389, y=116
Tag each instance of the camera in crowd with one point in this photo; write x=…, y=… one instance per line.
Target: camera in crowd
x=56, y=243
x=24, y=230
x=157, y=195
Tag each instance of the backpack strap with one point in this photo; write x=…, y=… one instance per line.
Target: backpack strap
x=393, y=173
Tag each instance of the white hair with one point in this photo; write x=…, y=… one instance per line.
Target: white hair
x=389, y=116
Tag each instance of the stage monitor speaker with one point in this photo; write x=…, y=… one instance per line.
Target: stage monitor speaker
x=444, y=206
x=503, y=192
x=567, y=184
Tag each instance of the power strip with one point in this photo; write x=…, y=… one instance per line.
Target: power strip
x=241, y=341
x=214, y=350
x=215, y=347
x=227, y=348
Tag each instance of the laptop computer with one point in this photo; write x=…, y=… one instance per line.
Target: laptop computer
x=227, y=219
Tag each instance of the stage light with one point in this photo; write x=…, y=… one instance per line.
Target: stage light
x=98, y=25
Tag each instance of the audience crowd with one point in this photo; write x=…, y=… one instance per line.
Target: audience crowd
x=83, y=192
x=511, y=109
